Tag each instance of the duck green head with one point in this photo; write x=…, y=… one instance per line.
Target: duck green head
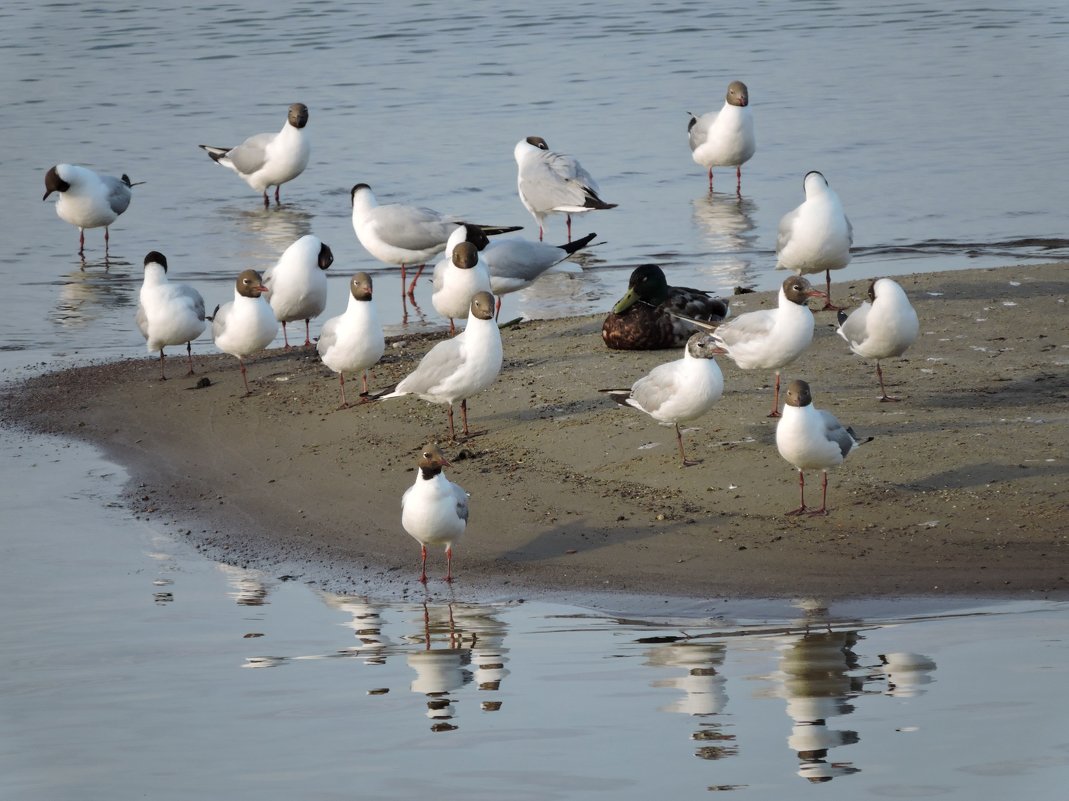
x=647, y=285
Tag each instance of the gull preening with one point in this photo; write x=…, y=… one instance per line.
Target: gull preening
x=883, y=326
x=812, y=439
x=246, y=324
x=724, y=138
x=554, y=183
x=269, y=159
x=298, y=283
x=168, y=313
x=408, y=236
x=678, y=391
x=769, y=339
x=353, y=340
x=815, y=237
x=455, y=369
x=653, y=315
x=88, y=200
x=434, y=510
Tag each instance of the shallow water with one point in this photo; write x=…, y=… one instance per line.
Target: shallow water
x=125, y=665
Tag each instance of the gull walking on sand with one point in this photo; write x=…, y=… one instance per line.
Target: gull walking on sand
x=434, y=510
x=407, y=236
x=455, y=369
x=168, y=313
x=812, y=439
x=883, y=326
x=653, y=315
x=678, y=391
x=88, y=200
x=353, y=340
x=298, y=283
x=769, y=339
x=554, y=183
x=815, y=237
x=725, y=138
x=269, y=159
x=246, y=324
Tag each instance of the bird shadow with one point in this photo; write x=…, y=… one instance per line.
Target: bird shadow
x=984, y=473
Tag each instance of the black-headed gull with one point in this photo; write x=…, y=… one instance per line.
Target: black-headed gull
x=458, y=277
x=653, y=315
x=269, y=159
x=678, y=391
x=725, y=138
x=455, y=369
x=434, y=510
x=298, y=283
x=515, y=263
x=554, y=183
x=246, y=324
x=812, y=439
x=353, y=340
x=88, y=200
x=167, y=313
x=408, y=236
x=881, y=327
x=815, y=237
x=769, y=339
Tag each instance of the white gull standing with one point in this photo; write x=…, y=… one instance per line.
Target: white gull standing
x=768, y=339
x=554, y=183
x=298, y=283
x=458, y=277
x=455, y=369
x=353, y=340
x=678, y=391
x=883, y=326
x=88, y=200
x=812, y=439
x=434, y=510
x=408, y=236
x=246, y=324
x=269, y=159
x=725, y=138
x=168, y=313
x=815, y=237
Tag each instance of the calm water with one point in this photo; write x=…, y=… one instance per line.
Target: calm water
x=125, y=662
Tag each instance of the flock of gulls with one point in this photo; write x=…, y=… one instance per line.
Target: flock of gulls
x=471, y=273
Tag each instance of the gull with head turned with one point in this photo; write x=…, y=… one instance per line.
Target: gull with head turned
x=246, y=324
x=168, y=313
x=883, y=326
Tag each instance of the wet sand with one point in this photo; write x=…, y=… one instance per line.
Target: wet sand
x=961, y=493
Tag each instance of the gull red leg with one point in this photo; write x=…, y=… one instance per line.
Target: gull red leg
x=464, y=416
x=341, y=380
x=163, y=377
x=801, y=484
x=285, y=338
x=81, y=241
x=307, y=332
x=452, y=432
x=279, y=186
x=267, y=200
x=682, y=453
x=775, y=399
x=244, y=376
x=449, y=563
x=738, y=180
x=568, y=219
x=423, y=553
x=828, y=305
x=710, y=180
x=189, y=357
x=412, y=286
x=823, y=510
x=879, y=375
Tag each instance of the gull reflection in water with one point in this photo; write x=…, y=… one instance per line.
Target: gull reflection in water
x=726, y=223
x=247, y=587
x=816, y=678
x=277, y=227
x=440, y=670
x=703, y=691
x=86, y=295
x=366, y=622
x=906, y=673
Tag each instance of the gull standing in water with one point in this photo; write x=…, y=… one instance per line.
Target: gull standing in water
x=395, y=233
x=455, y=369
x=881, y=327
x=353, y=340
x=725, y=138
x=769, y=339
x=679, y=391
x=246, y=324
x=812, y=439
x=554, y=183
x=816, y=236
x=434, y=510
x=168, y=314
x=88, y=200
x=298, y=283
x=269, y=159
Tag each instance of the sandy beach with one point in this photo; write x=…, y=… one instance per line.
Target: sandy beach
x=961, y=492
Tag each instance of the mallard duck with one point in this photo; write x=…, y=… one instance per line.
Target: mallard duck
x=643, y=318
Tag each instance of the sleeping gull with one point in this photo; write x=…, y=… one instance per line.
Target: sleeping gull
x=269, y=159
x=881, y=327
x=298, y=283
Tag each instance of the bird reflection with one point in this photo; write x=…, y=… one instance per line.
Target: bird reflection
x=367, y=622
x=248, y=587
x=488, y=652
x=85, y=295
x=439, y=670
x=816, y=681
x=703, y=688
x=727, y=225
x=907, y=673
x=278, y=226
